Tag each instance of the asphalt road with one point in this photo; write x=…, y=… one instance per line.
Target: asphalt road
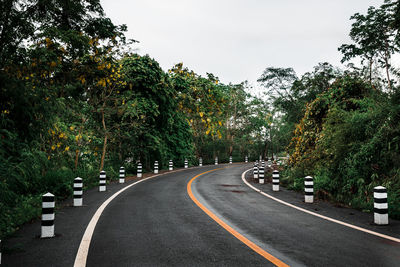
x=156, y=223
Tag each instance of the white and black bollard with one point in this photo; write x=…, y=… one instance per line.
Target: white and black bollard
x=216, y=160
x=246, y=159
x=381, y=216
x=186, y=164
x=275, y=180
x=48, y=204
x=200, y=162
x=121, y=175
x=308, y=189
x=139, y=170
x=171, y=165
x=255, y=171
x=102, y=182
x=261, y=174
x=156, y=166
x=78, y=192
x=230, y=160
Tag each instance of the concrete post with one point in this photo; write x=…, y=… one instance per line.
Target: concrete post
x=171, y=165
x=121, y=175
x=261, y=174
x=381, y=216
x=139, y=170
x=200, y=162
x=216, y=160
x=186, y=164
x=308, y=189
x=102, y=182
x=275, y=180
x=156, y=166
x=255, y=171
x=48, y=205
x=230, y=160
x=78, y=192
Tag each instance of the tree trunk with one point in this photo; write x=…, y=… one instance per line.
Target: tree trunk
x=105, y=140
x=387, y=65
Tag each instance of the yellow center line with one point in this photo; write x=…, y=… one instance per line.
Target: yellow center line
x=228, y=228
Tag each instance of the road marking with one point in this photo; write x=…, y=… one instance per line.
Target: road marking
x=319, y=215
x=81, y=256
x=228, y=228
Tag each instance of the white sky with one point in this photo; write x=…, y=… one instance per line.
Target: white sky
x=237, y=39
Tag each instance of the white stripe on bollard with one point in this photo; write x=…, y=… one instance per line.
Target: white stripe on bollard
x=275, y=180
x=308, y=189
x=139, y=170
x=171, y=165
x=48, y=204
x=102, y=182
x=121, y=175
x=156, y=166
x=78, y=192
x=381, y=216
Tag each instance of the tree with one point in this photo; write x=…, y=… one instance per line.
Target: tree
x=374, y=38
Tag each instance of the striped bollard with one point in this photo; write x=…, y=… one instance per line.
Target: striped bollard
x=78, y=192
x=171, y=165
x=200, y=162
x=275, y=180
x=246, y=159
x=380, y=206
x=216, y=160
x=186, y=164
x=230, y=160
x=308, y=189
x=156, y=166
x=121, y=175
x=139, y=170
x=48, y=204
x=102, y=182
x=261, y=174
x=255, y=171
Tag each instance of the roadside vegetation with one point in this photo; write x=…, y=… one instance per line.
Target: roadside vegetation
x=75, y=99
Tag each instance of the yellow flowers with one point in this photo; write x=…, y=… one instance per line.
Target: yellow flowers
x=53, y=147
x=71, y=128
x=66, y=148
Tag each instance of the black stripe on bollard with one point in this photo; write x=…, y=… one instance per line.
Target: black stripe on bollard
x=48, y=199
x=380, y=200
x=380, y=190
x=309, y=193
x=47, y=223
x=381, y=211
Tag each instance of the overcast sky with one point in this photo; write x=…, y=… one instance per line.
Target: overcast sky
x=237, y=39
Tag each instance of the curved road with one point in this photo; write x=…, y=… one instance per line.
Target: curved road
x=156, y=223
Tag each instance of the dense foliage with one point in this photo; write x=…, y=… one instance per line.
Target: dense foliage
x=75, y=100
x=342, y=125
